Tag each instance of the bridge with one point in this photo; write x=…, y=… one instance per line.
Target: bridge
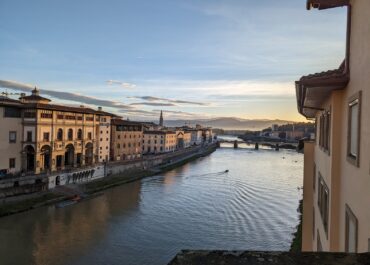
x=273, y=144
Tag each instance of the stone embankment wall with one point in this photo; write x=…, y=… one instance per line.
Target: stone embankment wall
x=37, y=183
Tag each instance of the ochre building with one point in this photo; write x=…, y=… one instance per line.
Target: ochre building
x=336, y=197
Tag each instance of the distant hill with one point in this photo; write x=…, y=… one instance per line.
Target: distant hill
x=228, y=123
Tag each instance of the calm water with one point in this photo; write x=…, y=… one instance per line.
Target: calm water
x=149, y=221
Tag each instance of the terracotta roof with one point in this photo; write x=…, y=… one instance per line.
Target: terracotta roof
x=104, y=113
x=312, y=89
x=125, y=122
x=5, y=100
x=325, y=4
x=60, y=108
x=159, y=132
x=34, y=97
x=338, y=73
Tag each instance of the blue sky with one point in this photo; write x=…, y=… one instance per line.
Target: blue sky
x=191, y=58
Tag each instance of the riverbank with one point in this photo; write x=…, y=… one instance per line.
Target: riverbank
x=54, y=196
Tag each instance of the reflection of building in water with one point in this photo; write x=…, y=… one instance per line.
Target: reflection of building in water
x=73, y=230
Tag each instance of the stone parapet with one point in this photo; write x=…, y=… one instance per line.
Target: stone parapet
x=199, y=257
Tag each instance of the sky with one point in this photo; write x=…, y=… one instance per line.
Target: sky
x=190, y=58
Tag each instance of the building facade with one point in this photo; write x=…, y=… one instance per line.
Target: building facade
x=336, y=213
x=127, y=137
x=10, y=136
x=50, y=137
x=155, y=142
x=196, y=136
x=104, y=136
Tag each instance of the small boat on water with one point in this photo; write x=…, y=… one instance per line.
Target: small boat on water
x=226, y=171
x=75, y=199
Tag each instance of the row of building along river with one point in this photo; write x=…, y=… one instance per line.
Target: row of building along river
x=196, y=206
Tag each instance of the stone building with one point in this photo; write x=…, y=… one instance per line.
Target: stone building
x=155, y=142
x=183, y=139
x=104, y=135
x=126, y=141
x=196, y=136
x=336, y=213
x=52, y=137
x=10, y=136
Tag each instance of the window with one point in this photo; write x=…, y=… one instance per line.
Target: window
x=11, y=162
x=46, y=136
x=60, y=117
x=353, y=138
x=319, y=245
x=89, y=135
x=70, y=134
x=313, y=223
x=30, y=114
x=46, y=115
x=314, y=176
x=10, y=112
x=12, y=137
x=60, y=135
x=324, y=138
x=70, y=117
x=79, y=134
x=29, y=136
x=323, y=201
x=351, y=231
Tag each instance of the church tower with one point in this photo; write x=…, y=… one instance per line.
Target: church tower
x=161, y=119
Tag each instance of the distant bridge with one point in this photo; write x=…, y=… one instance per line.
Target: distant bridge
x=273, y=144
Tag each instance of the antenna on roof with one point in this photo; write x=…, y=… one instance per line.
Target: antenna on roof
x=7, y=94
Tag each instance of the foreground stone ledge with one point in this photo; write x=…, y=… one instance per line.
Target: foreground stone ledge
x=196, y=257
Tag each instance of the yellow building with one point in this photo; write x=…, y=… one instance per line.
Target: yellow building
x=104, y=135
x=336, y=212
x=126, y=141
x=10, y=136
x=56, y=137
x=183, y=139
x=155, y=142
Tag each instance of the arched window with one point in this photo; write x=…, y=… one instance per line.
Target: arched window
x=70, y=134
x=79, y=134
x=60, y=135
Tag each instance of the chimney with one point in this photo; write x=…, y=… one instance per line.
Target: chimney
x=100, y=108
x=82, y=106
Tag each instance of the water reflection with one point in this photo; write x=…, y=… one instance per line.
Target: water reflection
x=196, y=206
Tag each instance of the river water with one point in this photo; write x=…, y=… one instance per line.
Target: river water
x=195, y=206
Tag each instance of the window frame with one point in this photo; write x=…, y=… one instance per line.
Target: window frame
x=12, y=162
x=324, y=207
x=350, y=215
x=15, y=138
x=354, y=160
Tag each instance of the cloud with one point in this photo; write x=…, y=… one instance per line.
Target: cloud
x=153, y=104
x=150, y=98
x=16, y=85
x=121, y=84
x=66, y=95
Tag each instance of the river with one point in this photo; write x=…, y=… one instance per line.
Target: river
x=196, y=206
